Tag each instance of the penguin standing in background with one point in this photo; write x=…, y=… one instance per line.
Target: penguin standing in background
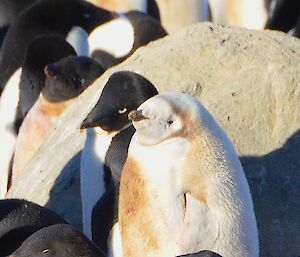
x=146, y=6
x=46, y=17
x=19, y=219
x=59, y=240
x=183, y=188
x=65, y=81
x=22, y=92
x=285, y=16
x=115, y=41
x=9, y=11
x=177, y=14
x=108, y=135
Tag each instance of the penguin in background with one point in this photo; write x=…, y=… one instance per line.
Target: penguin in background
x=134, y=29
x=42, y=51
x=65, y=81
x=59, y=240
x=109, y=132
x=284, y=15
x=19, y=219
x=149, y=7
x=9, y=11
x=22, y=92
x=46, y=17
x=205, y=253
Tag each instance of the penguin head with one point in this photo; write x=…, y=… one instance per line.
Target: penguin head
x=123, y=92
x=57, y=241
x=41, y=51
x=88, y=16
x=165, y=116
x=69, y=77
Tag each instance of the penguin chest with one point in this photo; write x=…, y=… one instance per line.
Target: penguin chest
x=31, y=136
x=92, y=174
x=150, y=194
x=8, y=110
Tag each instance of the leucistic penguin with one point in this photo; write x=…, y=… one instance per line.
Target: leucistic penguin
x=183, y=188
x=109, y=132
x=19, y=219
x=65, y=81
x=46, y=17
x=59, y=240
x=284, y=16
x=119, y=38
x=21, y=93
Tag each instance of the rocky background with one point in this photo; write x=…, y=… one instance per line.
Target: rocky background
x=249, y=80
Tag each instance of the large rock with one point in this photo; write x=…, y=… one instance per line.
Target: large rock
x=250, y=82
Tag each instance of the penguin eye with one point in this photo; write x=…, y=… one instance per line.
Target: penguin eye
x=87, y=15
x=122, y=111
x=170, y=122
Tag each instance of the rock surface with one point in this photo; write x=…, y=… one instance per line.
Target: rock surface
x=250, y=82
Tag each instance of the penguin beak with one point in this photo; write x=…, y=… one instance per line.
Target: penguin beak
x=88, y=124
x=137, y=116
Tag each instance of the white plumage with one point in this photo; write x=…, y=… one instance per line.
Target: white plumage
x=183, y=188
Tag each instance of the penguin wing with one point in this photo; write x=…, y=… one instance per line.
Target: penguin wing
x=200, y=229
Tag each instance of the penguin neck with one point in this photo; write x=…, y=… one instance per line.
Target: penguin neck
x=53, y=109
x=115, y=37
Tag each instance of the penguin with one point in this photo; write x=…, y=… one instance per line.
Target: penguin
x=60, y=240
x=19, y=219
x=177, y=14
x=204, y=253
x=9, y=11
x=134, y=29
x=149, y=7
x=108, y=135
x=284, y=15
x=22, y=92
x=65, y=81
x=46, y=17
x=183, y=188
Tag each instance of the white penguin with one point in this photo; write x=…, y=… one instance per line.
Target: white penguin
x=183, y=188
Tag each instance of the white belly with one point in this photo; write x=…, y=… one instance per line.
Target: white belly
x=92, y=185
x=115, y=37
x=8, y=109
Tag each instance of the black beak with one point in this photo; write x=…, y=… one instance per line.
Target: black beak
x=137, y=115
x=88, y=124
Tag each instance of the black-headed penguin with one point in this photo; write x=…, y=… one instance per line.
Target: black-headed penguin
x=108, y=135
